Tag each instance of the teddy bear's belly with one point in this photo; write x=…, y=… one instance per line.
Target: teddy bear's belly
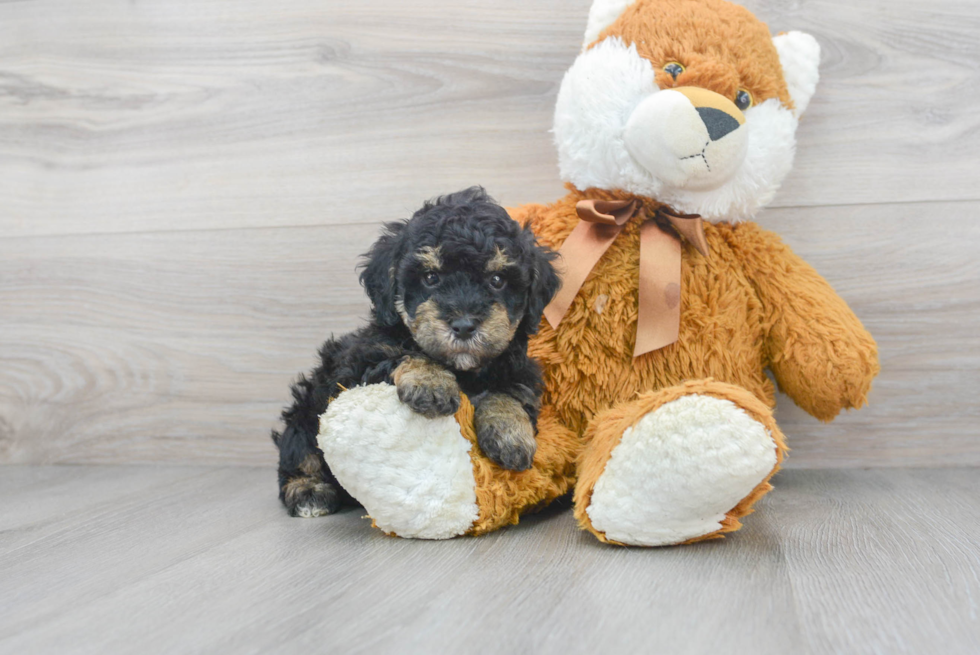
x=589, y=365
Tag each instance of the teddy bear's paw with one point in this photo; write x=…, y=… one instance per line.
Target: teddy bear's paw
x=413, y=475
x=675, y=475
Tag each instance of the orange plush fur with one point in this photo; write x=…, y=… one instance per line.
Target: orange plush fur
x=722, y=47
x=751, y=305
x=503, y=495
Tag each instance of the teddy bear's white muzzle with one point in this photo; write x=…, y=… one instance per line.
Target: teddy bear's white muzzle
x=688, y=138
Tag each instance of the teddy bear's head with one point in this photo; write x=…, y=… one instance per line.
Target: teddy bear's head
x=691, y=102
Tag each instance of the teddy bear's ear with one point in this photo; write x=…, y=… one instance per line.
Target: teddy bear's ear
x=603, y=14
x=799, y=54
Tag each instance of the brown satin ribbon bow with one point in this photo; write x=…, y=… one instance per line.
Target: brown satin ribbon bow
x=659, y=315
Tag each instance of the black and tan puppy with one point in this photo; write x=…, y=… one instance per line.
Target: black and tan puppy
x=456, y=291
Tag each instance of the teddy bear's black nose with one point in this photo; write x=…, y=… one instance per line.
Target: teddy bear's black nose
x=718, y=122
x=463, y=327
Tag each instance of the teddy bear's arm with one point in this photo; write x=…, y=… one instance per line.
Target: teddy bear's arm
x=820, y=354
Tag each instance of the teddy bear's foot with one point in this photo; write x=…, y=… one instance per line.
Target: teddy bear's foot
x=678, y=465
x=413, y=474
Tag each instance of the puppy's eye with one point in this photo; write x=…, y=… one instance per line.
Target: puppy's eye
x=743, y=99
x=673, y=69
x=430, y=279
x=497, y=281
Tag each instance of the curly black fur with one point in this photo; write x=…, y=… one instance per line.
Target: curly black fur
x=459, y=267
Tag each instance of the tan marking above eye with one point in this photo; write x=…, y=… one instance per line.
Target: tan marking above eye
x=431, y=257
x=499, y=261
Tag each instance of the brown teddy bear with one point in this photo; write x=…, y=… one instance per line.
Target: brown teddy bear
x=674, y=126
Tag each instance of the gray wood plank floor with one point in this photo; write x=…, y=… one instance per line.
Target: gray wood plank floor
x=202, y=560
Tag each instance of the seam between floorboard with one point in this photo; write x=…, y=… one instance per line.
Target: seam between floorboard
x=301, y=226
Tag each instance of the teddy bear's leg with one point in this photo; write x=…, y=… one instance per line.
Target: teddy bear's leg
x=677, y=465
x=426, y=478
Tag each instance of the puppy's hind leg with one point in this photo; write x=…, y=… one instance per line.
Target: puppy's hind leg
x=307, y=487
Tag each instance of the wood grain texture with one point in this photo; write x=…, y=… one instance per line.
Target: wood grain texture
x=179, y=346
x=121, y=116
x=202, y=114
x=186, y=187
x=169, y=346
x=883, y=562
x=164, y=560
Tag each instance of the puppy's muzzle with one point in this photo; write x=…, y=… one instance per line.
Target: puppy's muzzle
x=462, y=341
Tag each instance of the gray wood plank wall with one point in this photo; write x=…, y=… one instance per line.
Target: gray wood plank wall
x=185, y=187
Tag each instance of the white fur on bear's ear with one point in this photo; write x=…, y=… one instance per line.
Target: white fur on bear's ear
x=603, y=14
x=799, y=54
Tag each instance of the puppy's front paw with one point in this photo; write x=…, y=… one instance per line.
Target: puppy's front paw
x=426, y=387
x=504, y=432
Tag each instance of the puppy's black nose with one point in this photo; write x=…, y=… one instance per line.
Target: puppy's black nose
x=463, y=327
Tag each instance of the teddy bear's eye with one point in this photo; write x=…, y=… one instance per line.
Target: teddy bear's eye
x=673, y=69
x=743, y=99
x=430, y=279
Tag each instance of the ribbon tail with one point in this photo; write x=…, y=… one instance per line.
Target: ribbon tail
x=659, y=312
x=692, y=227
x=579, y=254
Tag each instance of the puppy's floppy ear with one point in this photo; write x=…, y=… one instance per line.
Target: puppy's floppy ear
x=380, y=270
x=544, y=282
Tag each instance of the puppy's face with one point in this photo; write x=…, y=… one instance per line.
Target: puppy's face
x=463, y=277
x=463, y=304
